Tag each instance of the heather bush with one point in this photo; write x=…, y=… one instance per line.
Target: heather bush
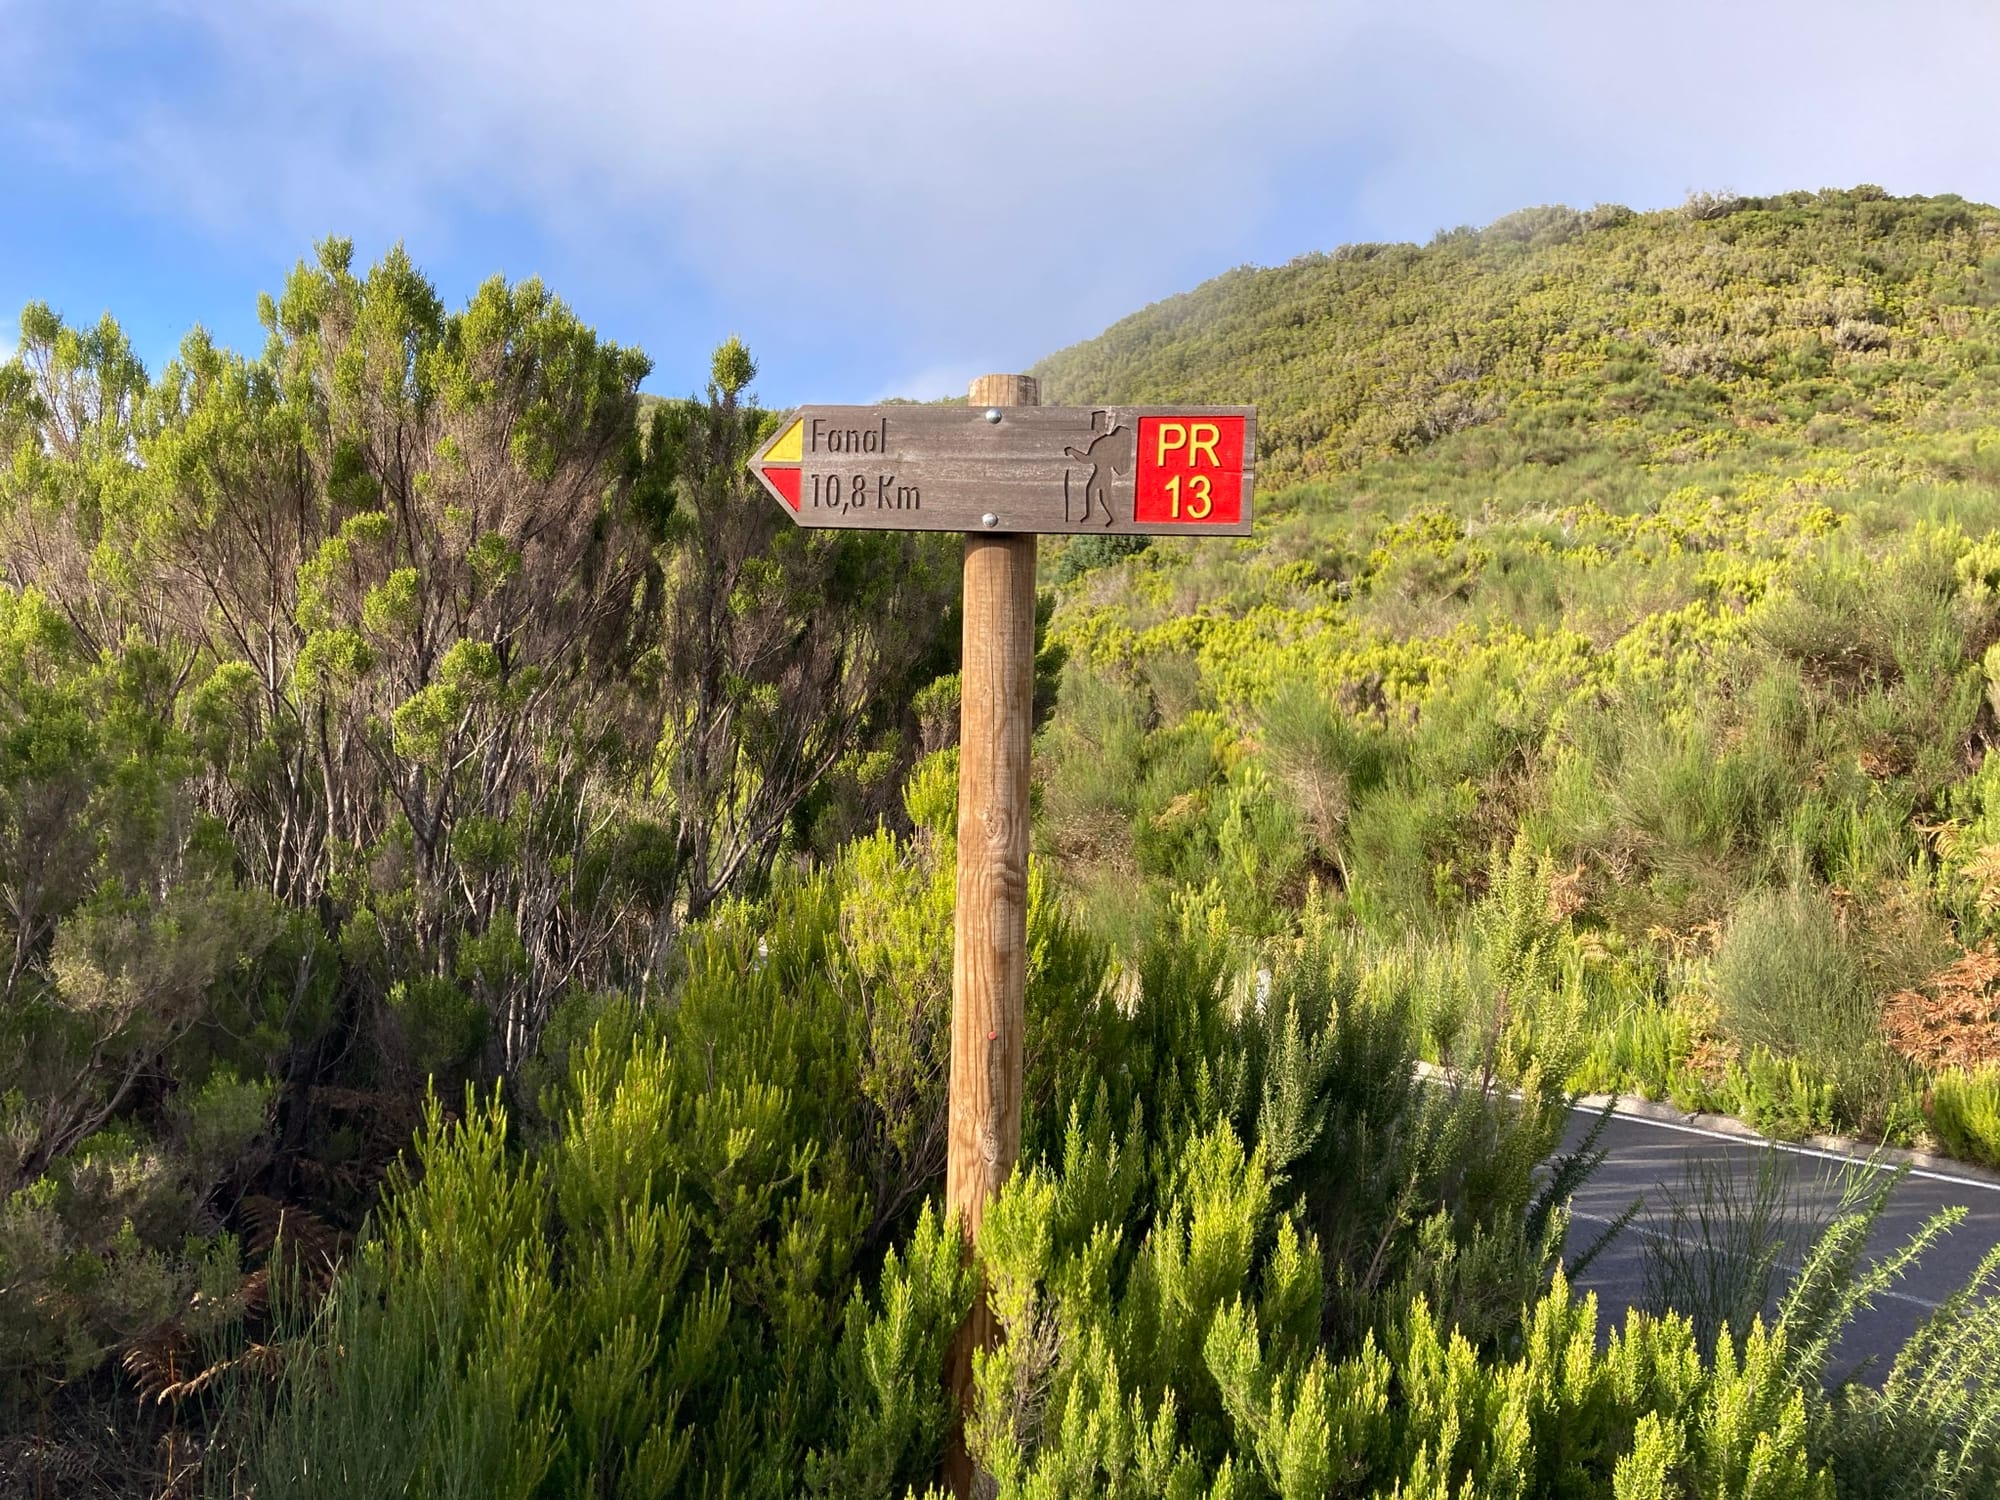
x=716, y=1263
x=1604, y=700
x=1191, y=1294
x=1965, y=1113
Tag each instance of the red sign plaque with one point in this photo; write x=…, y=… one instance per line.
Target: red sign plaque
x=1190, y=470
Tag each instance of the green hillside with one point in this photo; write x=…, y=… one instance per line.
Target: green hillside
x=480, y=886
x=1646, y=561
x=1552, y=332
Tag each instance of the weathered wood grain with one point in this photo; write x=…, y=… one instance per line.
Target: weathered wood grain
x=989, y=943
x=990, y=933
x=1004, y=390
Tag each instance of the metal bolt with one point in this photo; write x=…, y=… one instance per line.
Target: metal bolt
x=989, y=519
x=993, y=414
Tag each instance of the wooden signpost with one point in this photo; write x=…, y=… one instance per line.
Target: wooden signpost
x=1002, y=468
x=1007, y=467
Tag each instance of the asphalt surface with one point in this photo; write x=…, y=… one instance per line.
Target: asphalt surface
x=1653, y=1159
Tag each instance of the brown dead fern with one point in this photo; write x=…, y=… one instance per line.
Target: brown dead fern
x=169, y=1364
x=1953, y=1019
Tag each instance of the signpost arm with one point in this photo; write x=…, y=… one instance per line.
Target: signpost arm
x=990, y=944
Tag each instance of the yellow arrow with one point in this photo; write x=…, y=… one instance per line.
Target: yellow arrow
x=789, y=448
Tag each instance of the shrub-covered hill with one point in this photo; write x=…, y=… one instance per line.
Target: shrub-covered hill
x=1553, y=331
x=471, y=1032
x=1646, y=560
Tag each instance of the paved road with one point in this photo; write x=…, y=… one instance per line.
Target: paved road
x=1651, y=1158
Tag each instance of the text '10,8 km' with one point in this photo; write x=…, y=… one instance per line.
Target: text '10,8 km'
x=1064, y=469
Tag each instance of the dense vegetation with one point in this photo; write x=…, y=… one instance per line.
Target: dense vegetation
x=479, y=889
x=360, y=703
x=1656, y=551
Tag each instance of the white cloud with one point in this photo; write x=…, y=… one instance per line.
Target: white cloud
x=965, y=188
x=928, y=382
x=929, y=168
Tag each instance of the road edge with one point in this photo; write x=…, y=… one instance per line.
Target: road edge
x=1728, y=1127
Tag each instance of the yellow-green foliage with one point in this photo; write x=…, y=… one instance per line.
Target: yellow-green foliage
x=1662, y=546
x=1551, y=333
x=1201, y=1374
x=1247, y=1252
x=1965, y=1112
x=667, y=1296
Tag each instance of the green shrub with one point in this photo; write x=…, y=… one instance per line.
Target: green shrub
x=1789, y=984
x=1646, y=1052
x=1322, y=761
x=679, y=1279
x=1247, y=1252
x=1785, y=1097
x=1929, y=1428
x=1717, y=1247
x=692, y=1280
x=1084, y=554
x=1694, y=812
x=1965, y=1114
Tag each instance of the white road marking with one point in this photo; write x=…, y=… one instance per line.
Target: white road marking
x=1784, y=1265
x=1758, y=1142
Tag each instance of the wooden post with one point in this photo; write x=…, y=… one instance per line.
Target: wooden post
x=990, y=941
x=1001, y=469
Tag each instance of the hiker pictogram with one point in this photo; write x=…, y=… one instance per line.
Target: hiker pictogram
x=1109, y=454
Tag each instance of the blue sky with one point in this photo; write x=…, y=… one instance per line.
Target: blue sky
x=886, y=198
